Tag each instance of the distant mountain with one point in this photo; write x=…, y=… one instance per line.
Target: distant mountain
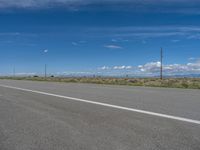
x=186, y=76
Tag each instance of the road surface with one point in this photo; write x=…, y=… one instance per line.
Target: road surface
x=68, y=116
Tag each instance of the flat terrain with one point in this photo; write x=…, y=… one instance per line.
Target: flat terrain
x=185, y=83
x=72, y=116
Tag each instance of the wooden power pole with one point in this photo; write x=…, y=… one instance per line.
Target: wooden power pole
x=14, y=71
x=161, y=64
x=45, y=71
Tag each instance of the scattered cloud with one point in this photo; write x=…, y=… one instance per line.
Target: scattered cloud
x=119, y=40
x=129, y=33
x=153, y=69
x=104, y=68
x=79, y=43
x=167, y=6
x=116, y=68
x=114, y=40
x=122, y=67
x=129, y=67
x=113, y=47
x=46, y=51
x=192, y=58
x=150, y=67
x=171, y=69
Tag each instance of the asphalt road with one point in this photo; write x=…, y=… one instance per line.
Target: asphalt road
x=36, y=118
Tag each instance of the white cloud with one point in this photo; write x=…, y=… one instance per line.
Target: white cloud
x=47, y=3
x=81, y=42
x=122, y=67
x=119, y=67
x=26, y=3
x=129, y=67
x=75, y=73
x=133, y=3
x=191, y=58
x=104, y=68
x=113, y=47
x=114, y=40
x=154, y=67
x=78, y=43
x=116, y=68
x=150, y=67
x=164, y=6
x=46, y=51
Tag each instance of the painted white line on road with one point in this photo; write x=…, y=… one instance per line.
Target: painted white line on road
x=109, y=105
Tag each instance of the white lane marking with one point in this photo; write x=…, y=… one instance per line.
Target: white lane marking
x=109, y=105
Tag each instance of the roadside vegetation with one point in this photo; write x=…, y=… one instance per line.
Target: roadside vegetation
x=187, y=83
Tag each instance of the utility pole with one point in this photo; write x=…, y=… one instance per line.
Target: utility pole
x=14, y=71
x=45, y=71
x=161, y=64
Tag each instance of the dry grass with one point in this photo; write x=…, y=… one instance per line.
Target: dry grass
x=188, y=83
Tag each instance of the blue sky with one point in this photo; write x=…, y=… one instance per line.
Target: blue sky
x=111, y=37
